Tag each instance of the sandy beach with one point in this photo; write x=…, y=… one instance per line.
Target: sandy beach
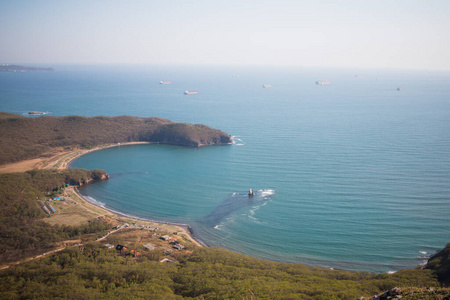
x=180, y=229
x=56, y=158
x=83, y=210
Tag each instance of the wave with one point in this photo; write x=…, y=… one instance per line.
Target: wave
x=237, y=141
x=94, y=201
x=265, y=193
x=103, y=205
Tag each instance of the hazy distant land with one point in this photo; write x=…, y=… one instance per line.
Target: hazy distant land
x=22, y=69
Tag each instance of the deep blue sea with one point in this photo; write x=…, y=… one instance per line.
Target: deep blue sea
x=353, y=175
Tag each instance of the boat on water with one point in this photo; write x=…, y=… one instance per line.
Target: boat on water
x=267, y=86
x=186, y=92
x=399, y=89
x=165, y=82
x=251, y=193
x=323, y=82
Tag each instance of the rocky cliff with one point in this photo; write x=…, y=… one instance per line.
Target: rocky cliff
x=189, y=135
x=82, y=177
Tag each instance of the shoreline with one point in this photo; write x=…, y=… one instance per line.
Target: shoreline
x=56, y=158
x=81, y=152
x=59, y=160
x=63, y=161
x=186, y=228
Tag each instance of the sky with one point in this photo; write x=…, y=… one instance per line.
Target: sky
x=392, y=34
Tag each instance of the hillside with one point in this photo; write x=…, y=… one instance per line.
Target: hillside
x=24, y=138
x=440, y=264
x=96, y=272
x=22, y=230
x=93, y=271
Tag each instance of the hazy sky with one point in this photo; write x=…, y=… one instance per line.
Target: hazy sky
x=400, y=34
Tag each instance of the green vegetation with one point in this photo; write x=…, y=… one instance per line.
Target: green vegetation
x=94, y=272
x=24, y=138
x=440, y=264
x=22, y=231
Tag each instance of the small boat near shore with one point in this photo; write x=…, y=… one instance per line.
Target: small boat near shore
x=251, y=193
x=186, y=92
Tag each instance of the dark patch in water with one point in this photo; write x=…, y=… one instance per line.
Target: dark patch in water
x=234, y=202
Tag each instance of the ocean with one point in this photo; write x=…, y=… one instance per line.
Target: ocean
x=353, y=175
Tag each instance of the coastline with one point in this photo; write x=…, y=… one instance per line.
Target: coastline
x=171, y=226
x=59, y=160
x=66, y=163
x=186, y=228
x=56, y=158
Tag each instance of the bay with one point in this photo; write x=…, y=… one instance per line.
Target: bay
x=351, y=175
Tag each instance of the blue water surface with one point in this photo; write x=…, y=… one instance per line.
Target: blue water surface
x=353, y=175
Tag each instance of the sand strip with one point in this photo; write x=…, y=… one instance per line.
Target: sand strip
x=62, y=159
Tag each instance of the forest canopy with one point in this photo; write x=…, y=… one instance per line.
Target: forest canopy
x=22, y=230
x=24, y=138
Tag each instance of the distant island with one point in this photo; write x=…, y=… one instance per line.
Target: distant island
x=22, y=69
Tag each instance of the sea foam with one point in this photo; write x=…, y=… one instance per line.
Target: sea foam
x=94, y=201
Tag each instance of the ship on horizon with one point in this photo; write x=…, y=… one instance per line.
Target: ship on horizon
x=323, y=82
x=186, y=92
x=165, y=82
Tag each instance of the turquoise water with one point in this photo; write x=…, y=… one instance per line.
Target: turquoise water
x=354, y=175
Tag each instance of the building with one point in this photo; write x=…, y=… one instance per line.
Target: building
x=149, y=246
x=166, y=237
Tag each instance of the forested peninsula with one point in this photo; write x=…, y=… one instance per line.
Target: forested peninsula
x=55, y=245
x=24, y=137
